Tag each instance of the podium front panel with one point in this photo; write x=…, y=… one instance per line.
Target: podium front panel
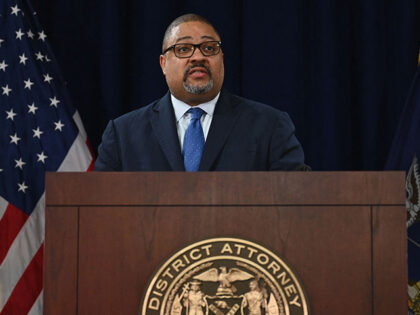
x=350, y=258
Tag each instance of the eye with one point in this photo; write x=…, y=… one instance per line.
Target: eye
x=182, y=49
x=209, y=47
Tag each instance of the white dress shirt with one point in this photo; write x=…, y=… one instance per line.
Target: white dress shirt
x=183, y=118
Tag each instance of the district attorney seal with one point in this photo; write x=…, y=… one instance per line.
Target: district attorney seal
x=224, y=276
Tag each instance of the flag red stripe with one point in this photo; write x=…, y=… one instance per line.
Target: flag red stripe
x=91, y=166
x=10, y=225
x=28, y=287
x=90, y=148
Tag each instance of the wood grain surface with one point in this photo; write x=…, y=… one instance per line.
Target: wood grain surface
x=342, y=233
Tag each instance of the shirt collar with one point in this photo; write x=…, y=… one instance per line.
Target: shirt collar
x=181, y=108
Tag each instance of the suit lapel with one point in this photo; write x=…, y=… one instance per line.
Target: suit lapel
x=164, y=126
x=224, y=118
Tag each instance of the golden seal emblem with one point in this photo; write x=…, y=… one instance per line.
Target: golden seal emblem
x=224, y=276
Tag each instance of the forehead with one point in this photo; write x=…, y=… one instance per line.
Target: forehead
x=192, y=32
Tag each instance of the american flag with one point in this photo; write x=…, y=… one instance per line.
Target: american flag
x=39, y=131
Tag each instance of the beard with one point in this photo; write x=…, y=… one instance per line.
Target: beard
x=198, y=89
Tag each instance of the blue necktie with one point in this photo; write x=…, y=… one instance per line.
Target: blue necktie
x=193, y=141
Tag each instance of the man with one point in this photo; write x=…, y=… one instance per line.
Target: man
x=197, y=126
x=194, y=299
x=255, y=299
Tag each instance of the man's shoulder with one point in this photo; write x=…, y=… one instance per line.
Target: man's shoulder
x=252, y=107
x=142, y=113
x=135, y=114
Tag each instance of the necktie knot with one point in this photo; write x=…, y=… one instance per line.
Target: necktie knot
x=196, y=113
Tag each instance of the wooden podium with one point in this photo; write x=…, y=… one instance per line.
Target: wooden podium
x=343, y=233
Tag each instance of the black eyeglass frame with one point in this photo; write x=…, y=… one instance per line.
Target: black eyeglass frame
x=219, y=43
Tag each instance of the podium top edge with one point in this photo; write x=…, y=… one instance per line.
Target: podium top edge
x=225, y=188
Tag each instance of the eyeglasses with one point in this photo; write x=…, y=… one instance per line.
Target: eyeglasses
x=209, y=48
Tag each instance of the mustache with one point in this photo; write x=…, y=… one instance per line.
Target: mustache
x=197, y=65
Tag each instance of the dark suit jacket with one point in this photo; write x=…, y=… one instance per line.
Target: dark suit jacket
x=244, y=136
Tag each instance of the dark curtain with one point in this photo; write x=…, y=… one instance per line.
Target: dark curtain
x=341, y=69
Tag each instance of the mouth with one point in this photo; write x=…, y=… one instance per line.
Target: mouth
x=197, y=71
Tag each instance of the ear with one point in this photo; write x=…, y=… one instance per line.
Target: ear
x=162, y=61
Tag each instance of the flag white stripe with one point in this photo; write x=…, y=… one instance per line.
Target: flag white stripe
x=3, y=206
x=23, y=249
x=78, y=158
x=79, y=124
x=37, y=307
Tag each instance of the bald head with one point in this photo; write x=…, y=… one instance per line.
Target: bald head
x=191, y=17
